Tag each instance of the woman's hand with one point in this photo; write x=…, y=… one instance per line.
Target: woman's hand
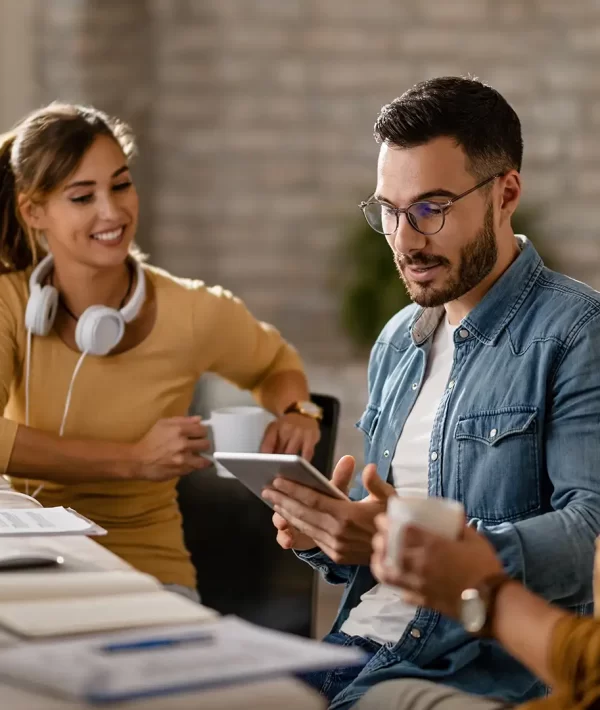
x=170, y=449
x=292, y=433
x=433, y=570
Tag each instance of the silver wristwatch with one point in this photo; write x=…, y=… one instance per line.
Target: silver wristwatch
x=477, y=605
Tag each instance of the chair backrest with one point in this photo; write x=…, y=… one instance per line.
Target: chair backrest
x=230, y=535
x=323, y=460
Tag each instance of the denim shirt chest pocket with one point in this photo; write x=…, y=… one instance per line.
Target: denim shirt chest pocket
x=497, y=462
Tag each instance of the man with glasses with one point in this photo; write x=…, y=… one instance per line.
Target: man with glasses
x=486, y=390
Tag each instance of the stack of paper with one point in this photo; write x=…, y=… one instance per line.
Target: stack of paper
x=121, y=666
x=38, y=604
x=45, y=521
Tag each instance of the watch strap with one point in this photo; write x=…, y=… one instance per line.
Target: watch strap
x=297, y=408
x=488, y=590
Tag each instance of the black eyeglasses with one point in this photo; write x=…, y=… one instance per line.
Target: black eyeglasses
x=425, y=216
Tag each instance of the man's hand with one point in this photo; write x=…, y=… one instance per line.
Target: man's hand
x=342, y=529
x=288, y=536
x=433, y=570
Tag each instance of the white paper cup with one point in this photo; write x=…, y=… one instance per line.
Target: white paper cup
x=442, y=516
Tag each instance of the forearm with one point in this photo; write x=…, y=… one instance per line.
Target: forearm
x=38, y=454
x=524, y=624
x=281, y=389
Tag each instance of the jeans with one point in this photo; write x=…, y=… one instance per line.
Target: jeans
x=330, y=683
x=424, y=695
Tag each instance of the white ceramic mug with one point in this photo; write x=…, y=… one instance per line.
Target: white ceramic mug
x=237, y=429
x=442, y=516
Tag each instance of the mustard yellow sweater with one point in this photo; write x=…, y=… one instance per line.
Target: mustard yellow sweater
x=575, y=664
x=120, y=397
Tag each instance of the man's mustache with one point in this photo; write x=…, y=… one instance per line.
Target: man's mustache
x=420, y=259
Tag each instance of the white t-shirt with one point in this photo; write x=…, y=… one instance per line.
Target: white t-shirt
x=382, y=615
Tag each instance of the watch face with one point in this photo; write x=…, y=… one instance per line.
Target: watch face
x=310, y=408
x=473, y=611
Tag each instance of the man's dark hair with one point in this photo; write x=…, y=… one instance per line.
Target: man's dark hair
x=476, y=116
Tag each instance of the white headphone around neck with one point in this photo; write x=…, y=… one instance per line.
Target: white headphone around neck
x=99, y=328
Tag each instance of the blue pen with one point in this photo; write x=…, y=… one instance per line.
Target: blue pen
x=157, y=643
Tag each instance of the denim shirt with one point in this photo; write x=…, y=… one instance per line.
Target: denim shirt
x=516, y=439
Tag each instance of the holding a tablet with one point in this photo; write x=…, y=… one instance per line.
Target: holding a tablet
x=258, y=471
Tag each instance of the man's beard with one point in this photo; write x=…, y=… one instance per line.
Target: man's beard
x=477, y=259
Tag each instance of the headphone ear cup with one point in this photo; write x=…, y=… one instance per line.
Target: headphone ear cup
x=41, y=309
x=99, y=330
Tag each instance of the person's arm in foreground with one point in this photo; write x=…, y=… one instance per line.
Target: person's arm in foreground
x=558, y=647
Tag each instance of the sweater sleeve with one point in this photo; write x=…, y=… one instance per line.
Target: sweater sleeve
x=575, y=662
x=8, y=350
x=246, y=351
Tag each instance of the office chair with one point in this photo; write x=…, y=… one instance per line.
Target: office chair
x=230, y=535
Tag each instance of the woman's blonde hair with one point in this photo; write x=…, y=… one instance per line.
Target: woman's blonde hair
x=35, y=158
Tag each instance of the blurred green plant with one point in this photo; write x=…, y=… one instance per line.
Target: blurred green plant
x=372, y=290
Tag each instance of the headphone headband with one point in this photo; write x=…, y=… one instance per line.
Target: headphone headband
x=130, y=310
x=41, y=272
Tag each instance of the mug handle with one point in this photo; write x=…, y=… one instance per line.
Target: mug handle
x=222, y=472
x=208, y=423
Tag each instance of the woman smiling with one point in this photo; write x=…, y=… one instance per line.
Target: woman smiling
x=100, y=352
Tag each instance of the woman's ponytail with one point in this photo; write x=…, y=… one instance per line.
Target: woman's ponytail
x=17, y=246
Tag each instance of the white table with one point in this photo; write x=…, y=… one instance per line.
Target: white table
x=84, y=553
x=267, y=695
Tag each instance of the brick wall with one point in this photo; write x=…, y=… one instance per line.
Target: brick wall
x=264, y=118
x=102, y=52
x=256, y=117
x=17, y=90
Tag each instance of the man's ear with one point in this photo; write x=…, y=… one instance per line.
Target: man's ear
x=510, y=195
x=32, y=213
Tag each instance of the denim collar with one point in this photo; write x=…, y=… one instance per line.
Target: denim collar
x=497, y=308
